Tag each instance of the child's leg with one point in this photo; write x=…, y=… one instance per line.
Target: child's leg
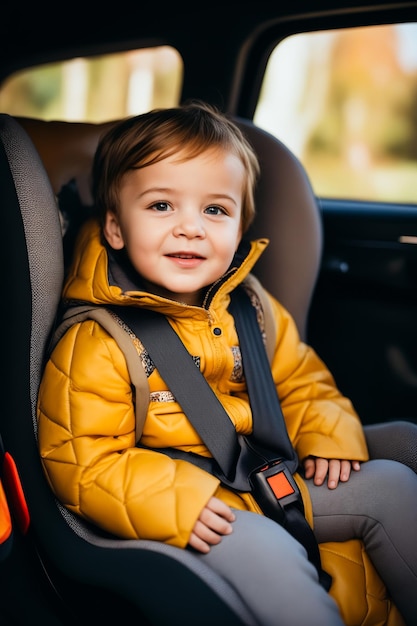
x=271, y=572
x=378, y=505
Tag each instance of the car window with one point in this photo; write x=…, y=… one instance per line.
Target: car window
x=345, y=102
x=96, y=89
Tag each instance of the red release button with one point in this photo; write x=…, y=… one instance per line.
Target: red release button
x=280, y=485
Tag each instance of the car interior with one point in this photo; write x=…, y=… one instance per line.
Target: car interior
x=338, y=267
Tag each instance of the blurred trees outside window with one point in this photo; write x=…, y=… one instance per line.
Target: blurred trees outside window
x=96, y=89
x=345, y=102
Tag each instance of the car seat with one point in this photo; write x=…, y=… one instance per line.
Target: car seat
x=94, y=576
x=97, y=579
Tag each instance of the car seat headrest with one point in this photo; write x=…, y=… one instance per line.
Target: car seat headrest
x=287, y=211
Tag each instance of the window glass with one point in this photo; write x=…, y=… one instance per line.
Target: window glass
x=345, y=103
x=96, y=89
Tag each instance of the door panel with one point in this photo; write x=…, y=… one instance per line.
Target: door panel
x=364, y=310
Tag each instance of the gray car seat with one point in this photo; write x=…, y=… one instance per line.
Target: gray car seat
x=93, y=577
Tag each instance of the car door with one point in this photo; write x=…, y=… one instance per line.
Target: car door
x=362, y=319
x=344, y=101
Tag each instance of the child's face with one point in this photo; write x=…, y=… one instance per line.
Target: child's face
x=180, y=221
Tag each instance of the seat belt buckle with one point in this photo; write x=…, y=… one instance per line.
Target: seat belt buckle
x=274, y=488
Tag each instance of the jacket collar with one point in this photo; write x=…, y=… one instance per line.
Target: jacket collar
x=112, y=279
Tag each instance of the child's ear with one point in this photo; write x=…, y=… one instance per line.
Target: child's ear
x=112, y=231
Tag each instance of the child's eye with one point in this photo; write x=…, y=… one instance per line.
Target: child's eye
x=214, y=210
x=161, y=206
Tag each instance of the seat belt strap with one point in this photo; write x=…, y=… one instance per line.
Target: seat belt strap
x=186, y=382
x=207, y=414
x=269, y=427
x=113, y=324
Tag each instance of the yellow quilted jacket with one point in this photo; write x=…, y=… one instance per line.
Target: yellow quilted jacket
x=86, y=409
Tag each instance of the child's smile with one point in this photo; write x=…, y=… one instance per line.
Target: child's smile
x=186, y=260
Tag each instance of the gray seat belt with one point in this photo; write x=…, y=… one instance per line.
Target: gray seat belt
x=243, y=463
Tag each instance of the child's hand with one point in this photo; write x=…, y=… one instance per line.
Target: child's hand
x=215, y=520
x=318, y=468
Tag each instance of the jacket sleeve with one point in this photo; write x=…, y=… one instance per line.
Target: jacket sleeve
x=320, y=420
x=87, y=444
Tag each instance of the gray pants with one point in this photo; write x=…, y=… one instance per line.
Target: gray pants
x=270, y=569
x=271, y=572
x=378, y=505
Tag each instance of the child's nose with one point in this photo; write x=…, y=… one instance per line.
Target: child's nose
x=189, y=224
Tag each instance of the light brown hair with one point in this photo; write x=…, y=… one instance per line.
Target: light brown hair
x=148, y=138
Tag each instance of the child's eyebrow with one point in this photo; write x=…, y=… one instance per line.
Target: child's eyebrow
x=156, y=190
x=222, y=196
